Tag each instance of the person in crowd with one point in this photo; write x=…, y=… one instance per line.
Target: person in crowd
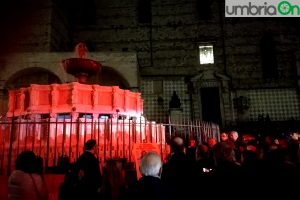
x=205, y=161
x=234, y=138
x=191, y=150
x=293, y=147
x=211, y=142
x=175, y=174
x=89, y=170
x=225, y=161
x=26, y=182
x=224, y=137
x=113, y=184
x=149, y=186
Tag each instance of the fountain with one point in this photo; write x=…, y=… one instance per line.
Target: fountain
x=55, y=120
x=77, y=97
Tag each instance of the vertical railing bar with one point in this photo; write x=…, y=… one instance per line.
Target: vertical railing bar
x=169, y=126
x=141, y=134
x=129, y=140
x=98, y=137
x=48, y=142
x=92, y=128
x=70, y=139
x=155, y=132
x=18, y=135
x=26, y=133
x=111, y=136
x=123, y=136
x=151, y=131
x=135, y=132
x=84, y=136
x=33, y=134
x=55, y=142
x=10, y=148
x=145, y=130
x=191, y=129
x=3, y=148
x=104, y=138
x=77, y=137
x=63, y=138
x=117, y=137
x=161, y=145
x=40, y=144
x=199, y=132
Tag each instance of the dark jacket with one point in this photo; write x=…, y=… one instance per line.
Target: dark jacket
x=150, y=188
x=92, y=178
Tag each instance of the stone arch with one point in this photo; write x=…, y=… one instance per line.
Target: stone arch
x=23, y=78
x=33, y=75
x=109, y=77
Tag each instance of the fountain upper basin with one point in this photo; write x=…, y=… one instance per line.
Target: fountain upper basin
x=78, y=66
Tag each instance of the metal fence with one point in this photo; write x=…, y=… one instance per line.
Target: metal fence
x=54, y=139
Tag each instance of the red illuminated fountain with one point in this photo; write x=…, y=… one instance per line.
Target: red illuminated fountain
x=75, y=98
x=55, y=120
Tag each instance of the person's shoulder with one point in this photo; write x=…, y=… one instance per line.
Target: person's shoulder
x=87, y=153
x=18, y=174
x=86, y=157
x=19, y=178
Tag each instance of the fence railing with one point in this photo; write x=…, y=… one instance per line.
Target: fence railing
x=54, y=139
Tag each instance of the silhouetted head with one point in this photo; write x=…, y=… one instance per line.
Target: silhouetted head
x=224, y=136
x=177, y=144
x=233, y=136
x=26, y=162
x=90, y=145
x=211, y=142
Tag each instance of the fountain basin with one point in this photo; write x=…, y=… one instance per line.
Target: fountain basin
x=81, y=68
x=73, y=98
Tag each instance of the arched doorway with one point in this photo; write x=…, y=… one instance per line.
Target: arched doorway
x=24, y=78
x=29, y=76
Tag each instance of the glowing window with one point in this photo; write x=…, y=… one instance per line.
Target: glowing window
x=206, y=54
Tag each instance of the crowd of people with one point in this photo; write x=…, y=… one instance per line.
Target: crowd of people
x=233, y=166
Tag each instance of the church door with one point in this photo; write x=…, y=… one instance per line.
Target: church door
x=210, y=104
